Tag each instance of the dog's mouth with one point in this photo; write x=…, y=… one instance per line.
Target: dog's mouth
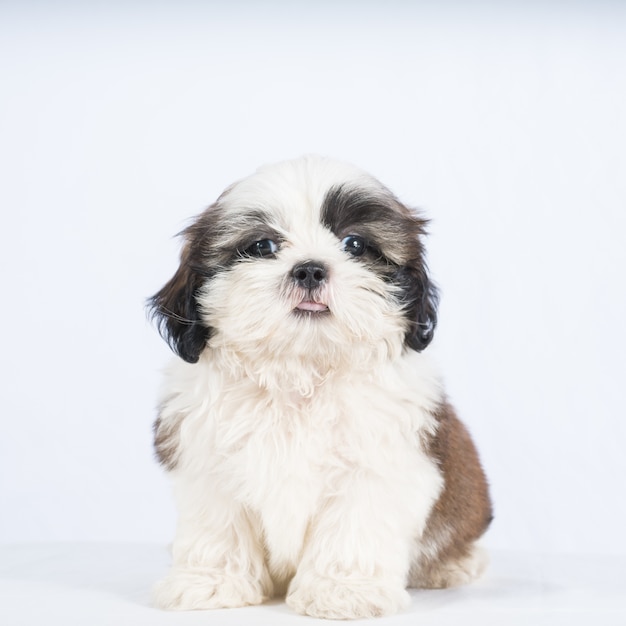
x=312, y=307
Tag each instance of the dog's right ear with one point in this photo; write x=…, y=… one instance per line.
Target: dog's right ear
x=175, y=310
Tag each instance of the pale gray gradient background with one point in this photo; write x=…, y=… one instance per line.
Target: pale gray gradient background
x=505, y=123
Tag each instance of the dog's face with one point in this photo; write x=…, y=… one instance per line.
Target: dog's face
x=307, y=259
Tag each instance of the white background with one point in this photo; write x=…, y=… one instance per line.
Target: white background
x=506, y=124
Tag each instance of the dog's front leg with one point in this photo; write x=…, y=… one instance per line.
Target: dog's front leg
x=357, y=553
x=218, y=560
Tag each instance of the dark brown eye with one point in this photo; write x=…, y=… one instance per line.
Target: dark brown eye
x=354, y=244
x=262, y=248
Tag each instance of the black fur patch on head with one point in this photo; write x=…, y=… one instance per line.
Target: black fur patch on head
x=225, y=239
x=212, y=243
x=420, y=299
x=175, y=307
x=394, y=240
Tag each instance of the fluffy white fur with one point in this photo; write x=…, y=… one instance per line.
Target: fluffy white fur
x=331, y=488
x=297, y=440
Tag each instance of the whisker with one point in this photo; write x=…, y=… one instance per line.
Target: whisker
x=179, y=318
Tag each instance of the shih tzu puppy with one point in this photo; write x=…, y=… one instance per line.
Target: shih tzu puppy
x=312, y=448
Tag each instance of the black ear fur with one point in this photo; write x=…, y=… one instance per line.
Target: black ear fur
x=175, y=310
x=421, y=299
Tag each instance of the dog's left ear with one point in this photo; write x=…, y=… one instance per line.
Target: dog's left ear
x=176, y=311
x=421, y=299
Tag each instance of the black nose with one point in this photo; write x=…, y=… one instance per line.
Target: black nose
x=310, y=274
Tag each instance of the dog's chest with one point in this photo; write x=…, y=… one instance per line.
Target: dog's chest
x=277, y=456
x=285, y=494
x=284, y=459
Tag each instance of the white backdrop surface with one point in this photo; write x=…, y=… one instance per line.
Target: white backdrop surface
x=505, y=124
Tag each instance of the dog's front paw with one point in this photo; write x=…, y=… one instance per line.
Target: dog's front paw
x=186, y=590
x=330, y=598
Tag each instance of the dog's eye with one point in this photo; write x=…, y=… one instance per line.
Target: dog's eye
x=354, y=244
x=262, y=248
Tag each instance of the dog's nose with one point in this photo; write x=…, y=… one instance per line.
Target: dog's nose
x=310, y=274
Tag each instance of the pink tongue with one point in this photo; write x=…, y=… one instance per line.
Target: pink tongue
x=311, y=306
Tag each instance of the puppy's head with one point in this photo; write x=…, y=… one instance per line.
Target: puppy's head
x=304, y=259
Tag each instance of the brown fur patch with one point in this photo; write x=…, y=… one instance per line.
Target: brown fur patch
x=167, y=439
x=463, y=511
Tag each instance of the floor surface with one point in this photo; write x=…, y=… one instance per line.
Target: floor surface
x=109, y=584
